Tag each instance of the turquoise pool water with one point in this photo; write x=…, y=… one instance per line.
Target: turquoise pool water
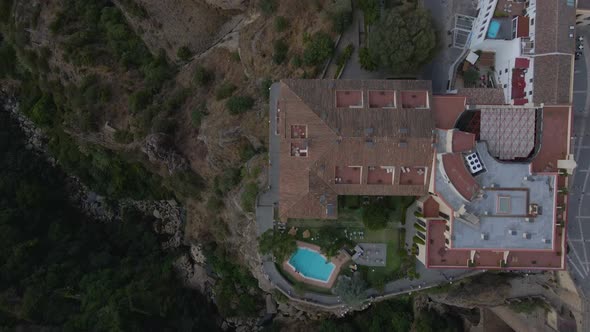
x=311, y=264
x=494, y=28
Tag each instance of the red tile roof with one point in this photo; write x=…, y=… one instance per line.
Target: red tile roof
x=342, y=137
x=463, y=141
x=446, y=110
x=460, y=177
x=554, y=139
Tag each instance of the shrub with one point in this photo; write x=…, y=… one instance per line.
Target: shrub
x=239, y=104
x=248, y=198
x=366, y=60
x=296, y=61
x=227, y=180
x=123, y=136
x=214, y=204
x=281, y=23
x=202, y=76
x=225, y=90
x=318, y=49
x=265, y=88
x=139, y=100
x=197, y=117
x=184, y=53
x=268, y=7
x=235, y=56
x=418, y=240
x=419, y=227
x=280, y=51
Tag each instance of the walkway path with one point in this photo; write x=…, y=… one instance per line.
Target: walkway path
x=267, y=200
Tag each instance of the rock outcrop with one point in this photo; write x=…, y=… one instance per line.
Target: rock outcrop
x=160, y=149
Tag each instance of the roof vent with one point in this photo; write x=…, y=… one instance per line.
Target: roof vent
x=546, y=240
x=485, y=236
x=526, y=236
x=512, y=232
x=474, y=163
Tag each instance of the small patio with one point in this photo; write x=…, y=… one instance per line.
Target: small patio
x=348, y=175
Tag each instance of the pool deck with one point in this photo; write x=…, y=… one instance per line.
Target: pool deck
x=338, y=261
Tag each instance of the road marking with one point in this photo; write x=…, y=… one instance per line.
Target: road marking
x=578, y=257
x=575, y=266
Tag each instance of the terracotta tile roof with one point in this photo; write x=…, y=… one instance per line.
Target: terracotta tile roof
x=554, y=139
x=463, y=141
x=552, y=79
x=446, y=110
x=483, y=96
x=459, y=176
x=347, y=137
x=553, y=20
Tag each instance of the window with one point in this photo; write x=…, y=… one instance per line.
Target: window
x=482, y=28
x=506, y=70
x=531, y=80
x=489, y=7
x=532, y=21
x=505, y=86
x=480, y=35
x=587, y=18
x=578, y=15
x=530, y=93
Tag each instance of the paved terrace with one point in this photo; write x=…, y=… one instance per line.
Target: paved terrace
x=510, y=180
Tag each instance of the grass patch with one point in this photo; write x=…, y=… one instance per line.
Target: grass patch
x=528, y=306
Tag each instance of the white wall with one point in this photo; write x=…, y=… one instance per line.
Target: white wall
x=482, y=21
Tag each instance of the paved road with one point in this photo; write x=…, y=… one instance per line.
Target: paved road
x=270, y=197
x=353, y=69
x=578, y=229
x=443, y=14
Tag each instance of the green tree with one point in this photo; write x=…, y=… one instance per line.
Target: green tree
x=225, y=90
x=202, y=76
x=184, y=53
x=248, y=197
x=265, y=88
x=239, y=104
x=352, y=290
x=375, y=216
x=281, y=24
x=403, y=41
x=318, y=49
x=366, y=60
x=470, y=77
x=280, y=51
x=370, y=10
x=281, y=245
x=268, y=7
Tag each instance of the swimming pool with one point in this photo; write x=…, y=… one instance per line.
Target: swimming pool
x=311, y=264
x=494, y=29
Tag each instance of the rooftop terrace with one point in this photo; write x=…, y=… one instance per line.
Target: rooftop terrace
x=507, y=189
